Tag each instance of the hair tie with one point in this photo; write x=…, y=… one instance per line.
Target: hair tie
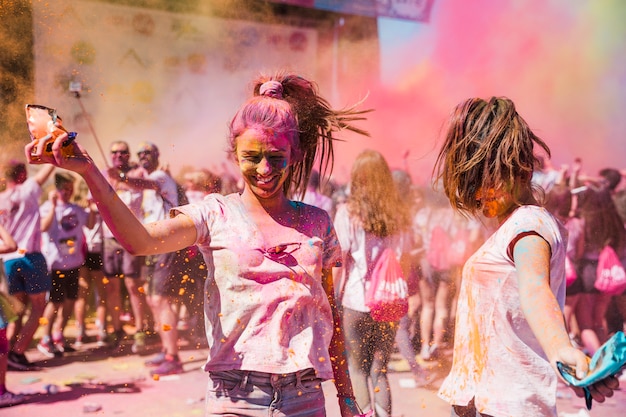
x=271, y=89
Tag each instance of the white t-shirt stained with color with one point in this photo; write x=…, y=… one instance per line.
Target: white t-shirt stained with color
x=265, y=312
x=19, y=214
x=497, y=360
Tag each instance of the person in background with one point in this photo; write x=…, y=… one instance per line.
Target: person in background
x=63, y=244
x=272, y=324
x=198, y=184
x=91, y=276
x=165, y=275
x=545, y=174
x=375, y=217
x=408, y=325
x=559, y=203
x=119, y=264
x=509, y=330
x=7, y=398
x=437, y=274
x=315, y=197
x=602, y=226
x=26, y=268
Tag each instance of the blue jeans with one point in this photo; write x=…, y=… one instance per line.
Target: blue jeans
x=259, y=394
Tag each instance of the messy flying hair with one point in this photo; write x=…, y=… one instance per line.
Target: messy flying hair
x=487, y=145
x=304, y=116
x=374, y=198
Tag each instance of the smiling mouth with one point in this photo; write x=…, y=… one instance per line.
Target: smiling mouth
x=265, y=180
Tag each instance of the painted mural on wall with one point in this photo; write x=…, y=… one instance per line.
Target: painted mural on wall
x=143, y=74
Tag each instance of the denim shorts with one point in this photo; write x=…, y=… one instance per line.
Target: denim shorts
x=260, y=394
x=28, y=274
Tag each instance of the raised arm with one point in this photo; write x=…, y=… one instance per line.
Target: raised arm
x=43, y=174
x=46, y=220
x=159, y=237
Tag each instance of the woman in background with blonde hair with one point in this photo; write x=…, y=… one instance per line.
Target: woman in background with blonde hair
x=374, y=217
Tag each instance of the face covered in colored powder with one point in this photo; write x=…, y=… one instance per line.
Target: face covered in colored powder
x=264, y=159
x=494, y=203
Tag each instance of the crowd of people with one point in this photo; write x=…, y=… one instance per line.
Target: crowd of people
x=296, y=251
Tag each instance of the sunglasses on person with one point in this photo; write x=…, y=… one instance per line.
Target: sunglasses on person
x=119, y=151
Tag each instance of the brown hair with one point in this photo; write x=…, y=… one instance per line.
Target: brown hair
x=374, y=198
x=487, y=145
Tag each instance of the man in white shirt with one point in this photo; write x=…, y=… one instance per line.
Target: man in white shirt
x=26, y=268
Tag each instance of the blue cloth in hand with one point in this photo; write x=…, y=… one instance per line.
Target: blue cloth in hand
x=607, y=361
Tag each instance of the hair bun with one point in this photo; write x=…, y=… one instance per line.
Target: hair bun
x=271, y=88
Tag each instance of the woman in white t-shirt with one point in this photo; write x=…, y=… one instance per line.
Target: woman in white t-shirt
x=509, y=331
x=374, y=218
x=271, y=321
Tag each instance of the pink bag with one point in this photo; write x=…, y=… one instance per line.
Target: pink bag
x=570, y=272
x=611, y=277
x=388, y=291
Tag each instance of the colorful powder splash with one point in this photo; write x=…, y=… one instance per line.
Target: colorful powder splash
x=562, y=62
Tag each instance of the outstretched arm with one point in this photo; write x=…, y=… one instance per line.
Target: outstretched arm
x=159, y=237
x=531, y=255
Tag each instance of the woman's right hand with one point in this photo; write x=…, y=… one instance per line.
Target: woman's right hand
x=53, y=197
x=577, y=360
x=349, y=408
x=75, y=159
